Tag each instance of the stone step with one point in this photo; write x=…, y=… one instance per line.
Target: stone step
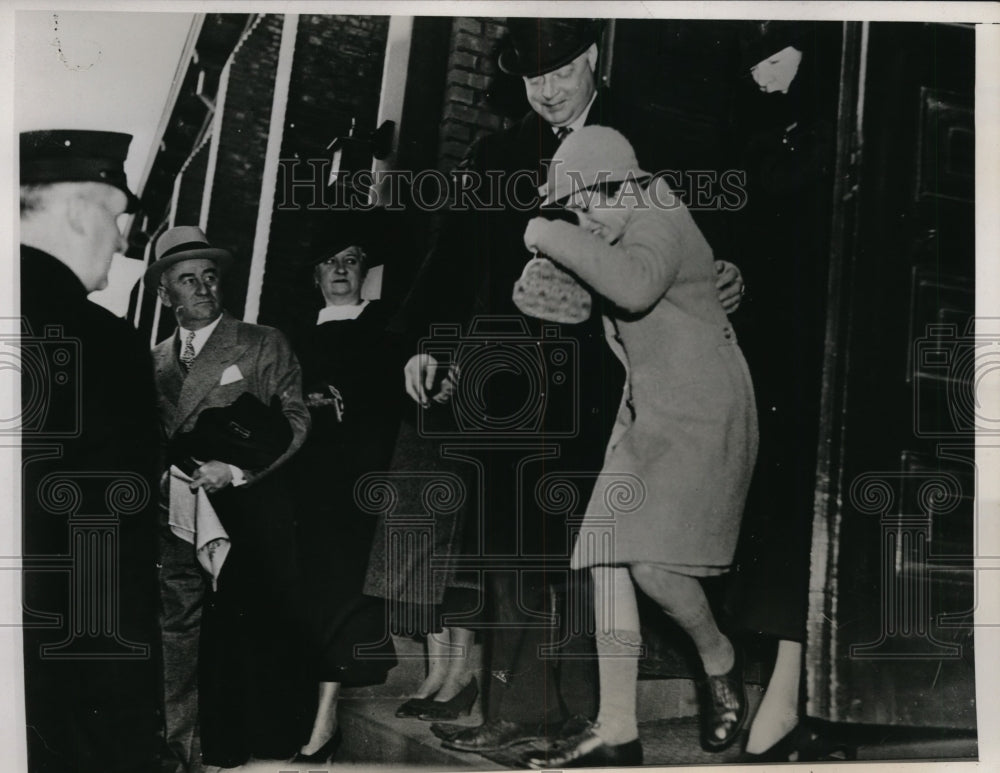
x=374, y=738
x=373, y=735
x=656, y=698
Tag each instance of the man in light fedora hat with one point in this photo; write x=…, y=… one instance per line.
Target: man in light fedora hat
x=88, y=426
x=232, y=699
x=530, y=694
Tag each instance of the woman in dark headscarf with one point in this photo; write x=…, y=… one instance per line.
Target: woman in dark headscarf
x=785, y=120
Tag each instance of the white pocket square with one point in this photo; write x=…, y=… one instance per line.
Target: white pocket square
x=230, y=374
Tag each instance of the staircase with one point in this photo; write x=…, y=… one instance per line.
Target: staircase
x=668, y=727
x=374, y=735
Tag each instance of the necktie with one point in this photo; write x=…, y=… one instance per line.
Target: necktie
x=562, y=133
x=187, y=355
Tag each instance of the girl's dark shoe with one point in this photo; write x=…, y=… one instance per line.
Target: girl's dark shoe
x=414, y=707
x=723, y=708
x=586, y=750
x=460, y=705
x=324, y=753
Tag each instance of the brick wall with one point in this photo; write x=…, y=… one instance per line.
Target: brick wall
x=471, y=66
x=336, y=75
x=192, y=186
x=189, y=117
x=189, y=114
x=239, y=170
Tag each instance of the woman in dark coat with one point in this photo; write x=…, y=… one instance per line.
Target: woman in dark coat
x=785, y=115
x=350, y=382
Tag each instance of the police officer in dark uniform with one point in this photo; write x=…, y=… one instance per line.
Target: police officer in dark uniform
x=90, y=459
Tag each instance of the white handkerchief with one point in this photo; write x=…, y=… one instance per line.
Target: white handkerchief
x=194, y=520
x=230, y=374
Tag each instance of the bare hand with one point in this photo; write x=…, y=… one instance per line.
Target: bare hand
x=419, y=373
x=212, y=476
x=316, y=400
x=448, y=385
x=330, y=398
x=533, y=232
x=729, y=283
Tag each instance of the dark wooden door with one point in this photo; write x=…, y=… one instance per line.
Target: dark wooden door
x=890, y=637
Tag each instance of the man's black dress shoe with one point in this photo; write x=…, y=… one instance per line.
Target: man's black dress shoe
x=723, y=708
x=414, y=707
x=448, y=730
x=586, y=750
x=492, y=735
x=571, y=727
x=225, y=762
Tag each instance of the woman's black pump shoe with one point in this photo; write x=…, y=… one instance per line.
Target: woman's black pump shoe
x=324, y=753
x=460, y=705
x=801, y=744
x=723, y=708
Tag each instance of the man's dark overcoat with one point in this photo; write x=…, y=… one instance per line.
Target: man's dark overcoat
x=90, y=454
x=530, y=441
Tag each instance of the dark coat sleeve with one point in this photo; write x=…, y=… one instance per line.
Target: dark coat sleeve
x=279, y=374
x=445, y=287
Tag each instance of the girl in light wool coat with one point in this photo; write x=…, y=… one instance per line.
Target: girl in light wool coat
x=667, y=506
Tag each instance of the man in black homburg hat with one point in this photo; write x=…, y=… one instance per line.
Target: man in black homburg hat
x=90, y=462
x=229, y=654
x=542, y=684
